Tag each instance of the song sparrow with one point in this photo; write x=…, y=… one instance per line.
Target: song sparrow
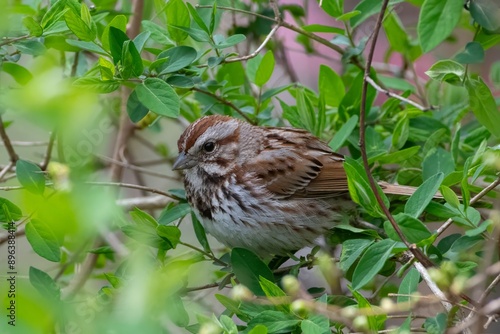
x=270, y=190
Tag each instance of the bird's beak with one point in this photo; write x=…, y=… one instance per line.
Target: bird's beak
x=184, y=161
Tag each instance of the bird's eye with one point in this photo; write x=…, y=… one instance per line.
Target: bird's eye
x=209, y=146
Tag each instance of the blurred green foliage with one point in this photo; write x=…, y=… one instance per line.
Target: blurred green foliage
x=74, y=68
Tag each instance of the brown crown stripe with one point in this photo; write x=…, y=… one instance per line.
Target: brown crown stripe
x=196, y=129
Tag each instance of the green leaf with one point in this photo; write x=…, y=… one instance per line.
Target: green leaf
x=351, y=102
x=119, y=22
x=54, y=14
x=330, y=86
x=177, y=15
x=276, y=322
x=450, y=196
x=85, y=15
x=141, y=39
x=200, y=233
x=473, y=54
x=116, y=40
x=135, y=109
x=448, y=71
x=396, y=34
x=180, y=81
x=78, y=26
x=368, y=8
x=396, y=83
x=177, y=58
x=146, y=235
x=31, y=47
x=486, y=13
x=171, y=234
x=408, y=285
x=230, y=41
x=374, y=322
x=265, y=69
x=483, y=105
x=347, y=16
x=197, y=18
x=372, y=262
x=106, y=69
x=213, y=18
x=18, y=72
x=423, y=195
x=30, y=176
x=436, y=325
x=143, y=218
x=9, y=211
x=323, y=28
x=360, y=190
x=159, y=97
x=158, y=33
x=196, y=34
x=494, y=73
x=437, y=20
x=43, y=240
x=334, y=8
x=351, y=251
x=310, y=327
x=464, y=243
x=258, y=329
x=174, y=212
x=131, y=61
x=44, y=284
x=344, y=132
x=228, y=324
x=34, y=28
x=97, y=85
x=439, y=161
x=88, y=46
x=395, y=157
x=401, y=133
x=270, y=288
x=229, y=303
x=248, y=268
x=413, y=229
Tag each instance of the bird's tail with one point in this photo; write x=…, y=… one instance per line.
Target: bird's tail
x=395, y=189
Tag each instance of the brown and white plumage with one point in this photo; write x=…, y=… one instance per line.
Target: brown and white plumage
x=271, y=190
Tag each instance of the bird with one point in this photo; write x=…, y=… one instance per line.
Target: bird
x=271, y=190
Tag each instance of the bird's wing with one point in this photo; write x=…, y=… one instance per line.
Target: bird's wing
x=294, y=163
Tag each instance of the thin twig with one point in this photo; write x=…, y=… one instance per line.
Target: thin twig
x=20, y=230
x=257, y=51
x=362, y=143
x=143, y=203
x=8, y=41
x=488, y=289
x=396, y=96
x=203, y=287
x=209, y=255
x=132, y=186
x=27, y=143
x=6, y=140
x=48, y=153
x=5, y=170
x=224, y=101
x=430, y=283
x=134, y=167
